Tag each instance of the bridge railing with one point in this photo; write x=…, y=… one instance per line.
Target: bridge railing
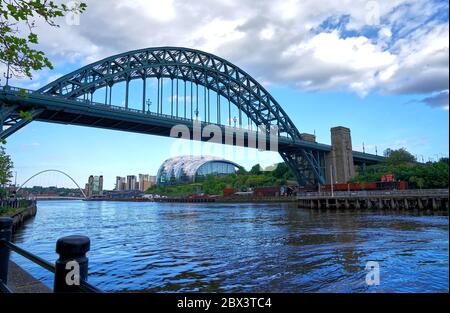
x=16, y=89
x=373, y=193
x=70, y=270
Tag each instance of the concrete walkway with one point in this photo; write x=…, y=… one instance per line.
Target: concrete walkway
x=22, y=282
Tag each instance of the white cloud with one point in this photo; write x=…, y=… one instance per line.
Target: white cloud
x=216, y=33
x=383, y=46
x=352, y=62
x=163, y=11
x=267, y=33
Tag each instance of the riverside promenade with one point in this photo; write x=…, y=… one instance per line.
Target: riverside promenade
x=422, y=199
x=238, y=199
x=19, y=280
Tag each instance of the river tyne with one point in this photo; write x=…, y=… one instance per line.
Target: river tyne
x=212, y=247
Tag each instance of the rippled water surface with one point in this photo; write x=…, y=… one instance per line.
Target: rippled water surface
x=168, y=247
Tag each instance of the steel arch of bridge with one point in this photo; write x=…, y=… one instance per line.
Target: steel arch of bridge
x=201, y=68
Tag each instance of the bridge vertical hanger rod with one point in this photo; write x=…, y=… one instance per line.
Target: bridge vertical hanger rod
x=184, y=98
x=249, y=105
x=229, y=106
x=278, y=121
x=92, y=96
x=110, y=93
x=157, y=100
x=240, y=110
x=162, y=91
x=176, y=110
x=127, y=92
x=144, y=91
x=218, y=109
x=171, y=97
x=204, y=101
x=196, y=99
x=192, y=102
x=106, y=93
x=209, y=107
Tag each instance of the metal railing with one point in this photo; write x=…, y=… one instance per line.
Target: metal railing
x=16, y=89
x=364, y=193
x=72, y=261
x=15, y=203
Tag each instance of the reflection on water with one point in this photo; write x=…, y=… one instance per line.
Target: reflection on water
x=165, y=247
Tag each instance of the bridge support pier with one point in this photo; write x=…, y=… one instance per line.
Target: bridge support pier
x=340, y=160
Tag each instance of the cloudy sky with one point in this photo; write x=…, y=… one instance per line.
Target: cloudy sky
x=378, y=67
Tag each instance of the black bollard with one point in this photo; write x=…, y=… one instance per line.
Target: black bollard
x=5, y=234
x=72, y=266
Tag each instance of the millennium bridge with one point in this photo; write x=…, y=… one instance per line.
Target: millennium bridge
x=204, y=89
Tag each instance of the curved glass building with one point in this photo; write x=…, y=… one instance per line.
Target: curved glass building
x=182, y=169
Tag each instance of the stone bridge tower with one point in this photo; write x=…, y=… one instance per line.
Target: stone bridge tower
x=340, y=159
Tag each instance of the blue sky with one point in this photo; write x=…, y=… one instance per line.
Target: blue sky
x=386, y=80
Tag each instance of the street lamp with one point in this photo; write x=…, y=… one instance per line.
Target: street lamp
x=196, y=114
x=234, y=120
x=149, y=103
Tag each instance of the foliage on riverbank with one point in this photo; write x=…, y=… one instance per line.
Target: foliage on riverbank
x=403, y=166
x=6, y=211
x=7, y=208
x=241, y=181
x=6, y=166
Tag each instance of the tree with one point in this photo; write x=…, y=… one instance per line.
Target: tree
x=17, y=21
x=444, y=160
x=241, y=171
x=255, y=170
x=282, y=171
x=6, y=166
x=399, y=156
x=417, y=175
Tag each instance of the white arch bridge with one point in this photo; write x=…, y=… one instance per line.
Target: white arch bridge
x=56, y=171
